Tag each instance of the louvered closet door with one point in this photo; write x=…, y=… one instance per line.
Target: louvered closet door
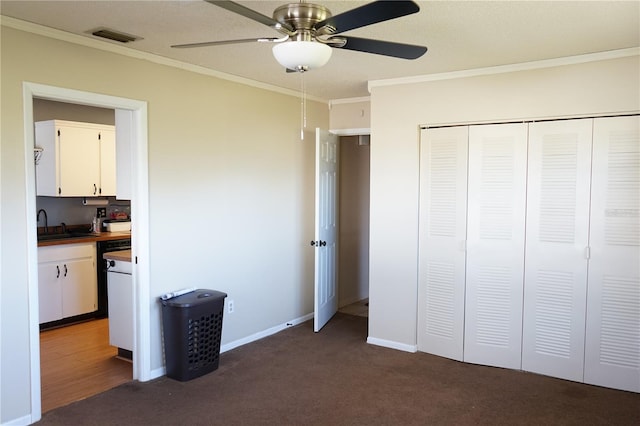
x=495, y=244
x=613, y=310
x=556, y=241
x=441, y=274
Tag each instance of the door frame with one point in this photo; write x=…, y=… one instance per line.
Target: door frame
x=139, y=210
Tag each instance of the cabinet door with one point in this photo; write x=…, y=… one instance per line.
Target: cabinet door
x=79, y=287
x=120, y=290
x=79, y=168
x=495, y=244
x=557, y=233
x=613, y=308
x=441, y=268
x=107, y=163
x=49, y=292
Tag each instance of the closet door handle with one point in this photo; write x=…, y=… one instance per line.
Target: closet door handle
x=95, y=189
x=65, y=269
x=58, y=269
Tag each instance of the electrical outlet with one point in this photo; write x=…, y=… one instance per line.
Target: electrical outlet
x=101, y=212
x=230, y=306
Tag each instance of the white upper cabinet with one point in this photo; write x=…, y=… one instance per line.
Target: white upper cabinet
x=124, y=139
x=74, y=160
x=107, y=162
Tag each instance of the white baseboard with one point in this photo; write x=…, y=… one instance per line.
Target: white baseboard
x=21, y=421
x=392, y=345
x=159, y=372
x=262, y=334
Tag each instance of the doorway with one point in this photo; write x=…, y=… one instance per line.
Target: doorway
x=77, y=352
x=353, y=255
x=133, y=118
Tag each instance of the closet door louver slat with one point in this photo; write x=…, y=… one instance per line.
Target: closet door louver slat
x=612, y=355
x=557, y=234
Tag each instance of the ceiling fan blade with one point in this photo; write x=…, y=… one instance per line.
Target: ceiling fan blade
x=368, y=14
x=252, y=14
x=222, y=42
x=380, y=47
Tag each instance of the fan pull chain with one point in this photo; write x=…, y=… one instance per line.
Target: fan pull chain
x=303, y=107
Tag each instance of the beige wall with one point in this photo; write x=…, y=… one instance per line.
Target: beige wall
x=230, y=191
x=350, y=114
x=353, y=261
x=397, y=111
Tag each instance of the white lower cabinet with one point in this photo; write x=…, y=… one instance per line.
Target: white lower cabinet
x=530, y=240
x=67, y=281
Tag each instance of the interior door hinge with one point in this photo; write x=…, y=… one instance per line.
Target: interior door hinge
x=587, y=253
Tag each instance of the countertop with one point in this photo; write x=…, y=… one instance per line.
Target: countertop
x=102, y=236
x=121, y=255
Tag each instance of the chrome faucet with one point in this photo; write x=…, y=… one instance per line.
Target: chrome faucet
x=46, y=224
x=64, y=227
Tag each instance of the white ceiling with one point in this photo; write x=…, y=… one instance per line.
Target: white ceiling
x=459, y=35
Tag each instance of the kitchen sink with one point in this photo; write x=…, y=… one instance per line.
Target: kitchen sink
x=67, y=235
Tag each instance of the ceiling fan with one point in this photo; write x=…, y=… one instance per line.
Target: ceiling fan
x=309, y=31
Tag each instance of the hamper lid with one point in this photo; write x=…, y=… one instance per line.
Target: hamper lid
x=195, y=298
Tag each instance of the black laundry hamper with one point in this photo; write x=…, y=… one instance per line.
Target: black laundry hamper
x=192, y=327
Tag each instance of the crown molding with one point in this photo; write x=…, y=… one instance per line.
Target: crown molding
x=106, y=46
x=525, y=66
x=349, y=101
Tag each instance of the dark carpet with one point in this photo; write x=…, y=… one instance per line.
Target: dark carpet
x=298, y=377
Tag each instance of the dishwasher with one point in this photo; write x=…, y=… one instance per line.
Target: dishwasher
x=121, y=302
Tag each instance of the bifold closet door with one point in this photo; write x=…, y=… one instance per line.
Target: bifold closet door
x=612, y=355
x=495, y=244
x=557, y=231
x=441, y=270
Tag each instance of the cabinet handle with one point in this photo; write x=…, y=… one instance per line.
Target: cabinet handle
x=95, y=189
x=58, y=269
x=65, y=269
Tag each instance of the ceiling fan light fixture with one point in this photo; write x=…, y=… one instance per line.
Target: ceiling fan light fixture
x=302, y=55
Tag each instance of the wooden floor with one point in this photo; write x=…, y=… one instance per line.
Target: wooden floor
x=77, y=362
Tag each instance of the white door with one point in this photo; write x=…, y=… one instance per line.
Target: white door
x=442, y=234
x=495, y=244
x=326, y=227
x=612, y=355
x=557, y=233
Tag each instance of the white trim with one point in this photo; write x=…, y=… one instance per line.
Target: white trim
x=265, y=333
x=140, y=233
x=392, y=345
x=159, y=372
x=21, y=421
x=351, y=132
x=525, y=66
x=349, y=101
x=32, y=254
x=53, y=33
x=529, y=119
